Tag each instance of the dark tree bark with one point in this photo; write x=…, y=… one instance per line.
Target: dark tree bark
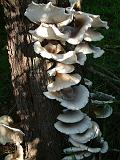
x=28, y=72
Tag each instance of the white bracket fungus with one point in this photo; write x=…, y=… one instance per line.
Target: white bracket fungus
x=60, y=27
x=70, y=116
x=73, y=128
x=7, y=120
x=10, y=135
x=18, y=155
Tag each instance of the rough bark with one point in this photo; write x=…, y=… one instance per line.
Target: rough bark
x=28, y=72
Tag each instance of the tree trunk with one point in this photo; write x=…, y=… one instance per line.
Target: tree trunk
x=28, y=71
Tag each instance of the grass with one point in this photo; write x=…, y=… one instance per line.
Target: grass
x=109, y=11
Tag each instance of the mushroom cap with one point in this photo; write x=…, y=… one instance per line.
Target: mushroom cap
x=81, y=58
x=105, y=147
x=71, y=150
x=73, y=128
x=97, y=22
x=103, y=111
x=88, y=82
x=6, y=120
x=85, y=48
x=61, y=68
x=70, y=116
x=100, y=95
x=66, y=58
x=78, y=156
x=91, y=133
x=84, y=147
x=47, y=13
x=63, y=81
x=77, y=99
x=9, y=134
x=92, y=35
x=53, y=47
x=18, y=155
x=76, y=34
x=50, y=32
x=100, y=98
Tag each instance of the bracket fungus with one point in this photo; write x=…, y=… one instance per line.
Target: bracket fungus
x=86, y=48
x=78, y=156
x=65, y=35
x=89, y=134
x=47, y=13
x=18, y=155
x=7, y=120
x=73, y=128
x=103, y=111
x=77, y=100
x=63, y=81
x=9, y=134
x=70, y=116
x=92, y=35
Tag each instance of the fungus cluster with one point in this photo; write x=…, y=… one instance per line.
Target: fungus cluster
x=11, y=135
x=63, y=37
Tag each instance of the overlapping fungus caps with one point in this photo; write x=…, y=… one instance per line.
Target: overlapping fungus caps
x=73, y=128
x=60, y=27
x=77, y=100
x=18, y=155
x=70, y=116
x=47, y=13
x=89, y=134
x=10, y=135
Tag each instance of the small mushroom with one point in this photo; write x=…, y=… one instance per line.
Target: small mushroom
x=103, y=111
x=92, y=35
x=70, y=116
x=73, y=128
x=100, y=98
x=85, y=137
x=85, y=48
x=84, y=147
x=77, y=100
x=47, y=13
x=88, y=82
x=7, y=120
x=63, y=81
x=104, y=147
x=10, y=135
x=18, y=155
x=78, y=156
